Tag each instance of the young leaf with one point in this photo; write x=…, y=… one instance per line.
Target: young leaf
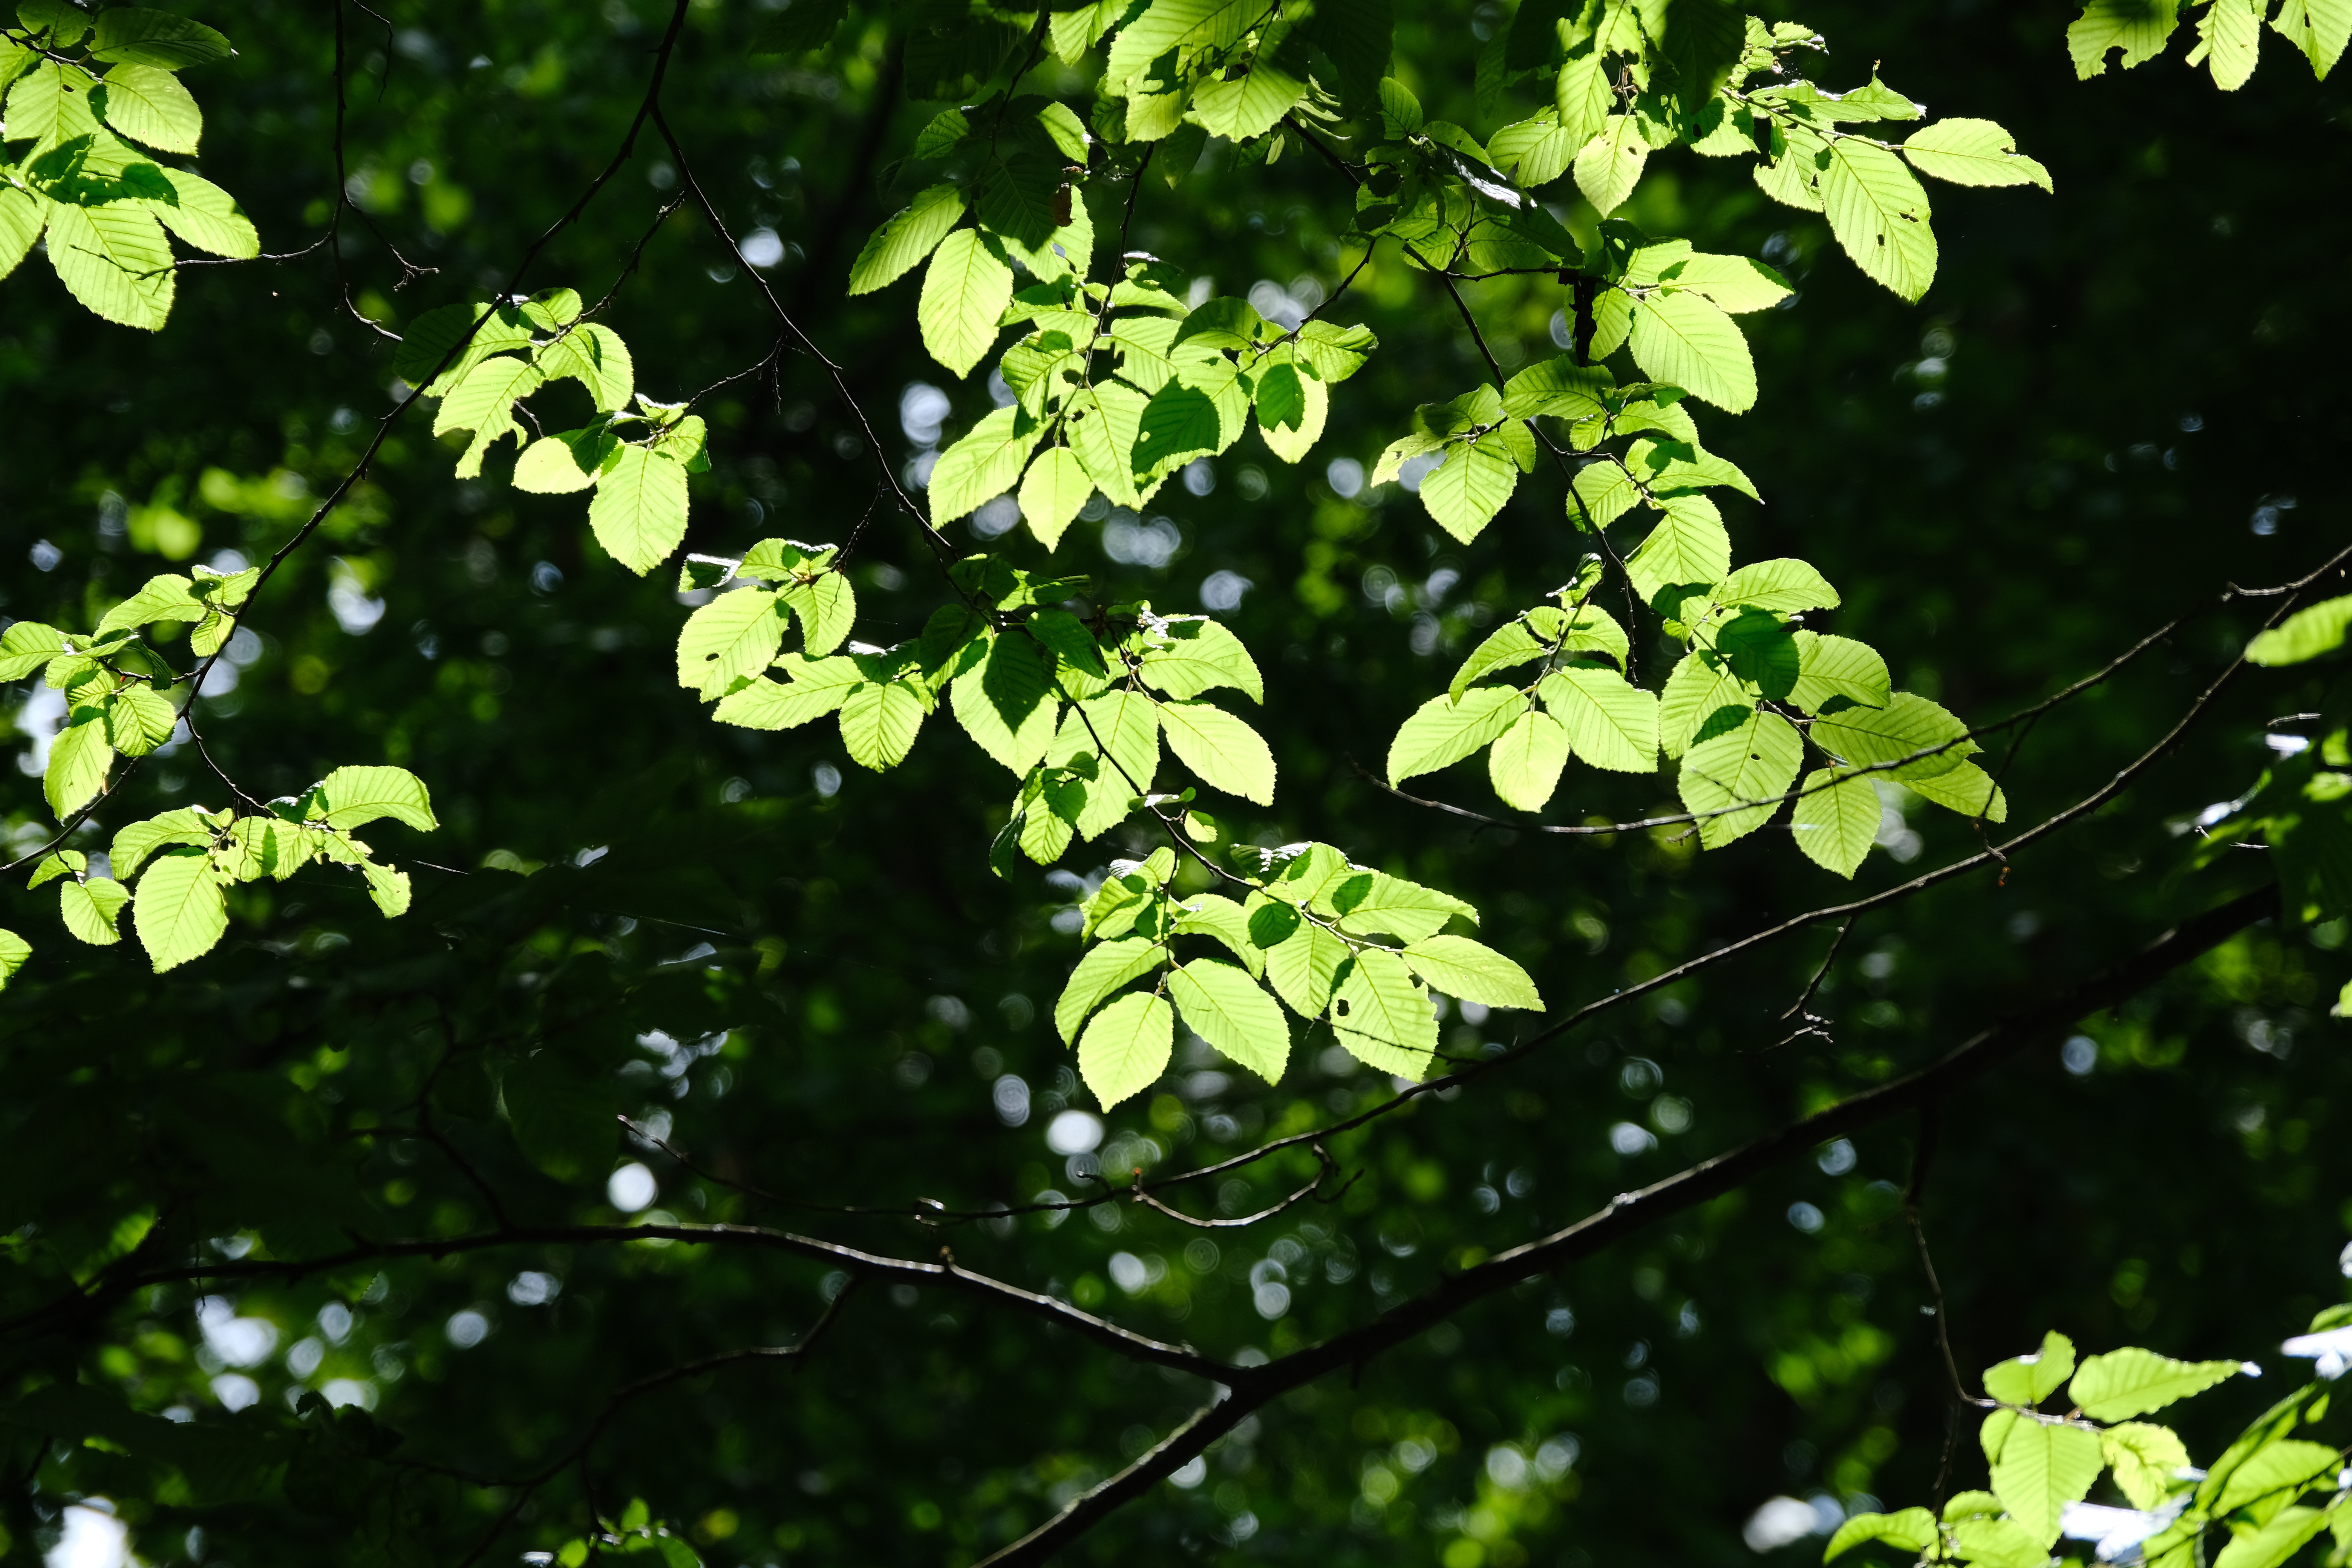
x=1288, y=430
x=166, y=597
x=90, y=908
x=1104, y=968
x=1221, y=751
x=134, y=35
x=1879, y=215
x=1690, y=545
x=483, y=402
x=2319, y=28
x=200, y=212
x=136, y=841
x=1836, y=821
x=1444, y=731
x=2029, y=1379
x=2284, y=1535
x=14, y=952
x=1127, y=1047
x=2038, y=1471
x=139, y=719
x=1966, y=789
x=1199, y=656
x=1612, y=163
x=1383, y=1016
x=594, y=356
x=878, y=723
x=1056, y=486
x=1373, y=903
x=1471, y=972
x=1206, y=914
x=180, y=912
x=148, y=104
x=2144, y=1459
x=827, y=607
x=1908, y=725
x=2138, y=27
x=1972, y=152
x=112, y=258
x=639, y=513
x=1913, y=1530
x=1784, y=586
x=2276, y=1471
x=1683, y=339
x=1831, y=667
x=1302, y=959
x=28, y=646
x=1610, y=722
x=984, y=464
x=1227, y=1008
x=1527, y=759
x=964, y=291
x=1465, y=491
x=898, y=245
x=1120, y=730
x=735, y=634
x=1006, y=702
x=354, y=798
x=2305, y=635
x=78, y=760
x=1753, y=759
x=820, y=687
x=2135, y=1382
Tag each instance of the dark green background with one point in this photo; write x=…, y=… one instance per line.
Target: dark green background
x=2129, y=370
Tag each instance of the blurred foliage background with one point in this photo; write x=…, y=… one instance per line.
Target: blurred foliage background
x=2113, y=402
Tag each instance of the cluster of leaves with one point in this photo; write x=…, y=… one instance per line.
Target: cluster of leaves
x=2043, y=1466
x=2229, y=34
x=1753, y=688
x=1308, y=927
x=483, y=359
x=96, y=98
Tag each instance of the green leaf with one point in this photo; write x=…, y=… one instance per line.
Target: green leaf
x=1908, y=725
x=26, y=646
x=734, y=636
x=1913, y=1530
x=1373, y=903
x=2319, y=28
x=114, y=259
x=878, y=723
x=1972, y=152
x=2278, y=1471
x=1006, y=703
x=62, y=863
x=148, y=104
x=639, y=510
x=2138, y=27
x=1056, y=486
x=1753, y=759
x=1839, y=666
x=2038, y=1468
x=139, y=719
x=1206, y=914
x=2135, y=1382
x=78, y=760
x=1121, y=730
x=566, y=1122
x=1836, y=820
x=2033, y=1378
x=1105, y=422
x=1536, y=151
x=827, y=607
x=593, y=355
x=180, y=912
x=52, y=104
x=1465, y=490
x=1223, y=751
x=2305, y=635
x=1472, y=972
x=2144, y=1459
x=2284, y=1536
x=1690, y=545
x=898, y=245
x=23, y=216
x=1610, y=164
x=1527, y=759
x=1382, y=1017
x=14, y=951
x=1966, y=789
x=1127, y=1047
x=983, y=465
x=1291, y=442
x=562, y=465
x=1783, y=586
x=166, y=597
x=1879, y=215
x=1302, y=959
x=1442, y=730
x=1224, y=1006
x=964, y=292
x=1738, y=284
x=1199, y=656
x=136, y=841
x=134, y=35
x=91, y=909
x=354, y=798
x=1683, y=339
x=1610, y=723
x=1243, y=107
x=1103, y=968
x=820, y=687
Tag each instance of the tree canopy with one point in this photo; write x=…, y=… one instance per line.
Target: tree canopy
x=835, y=782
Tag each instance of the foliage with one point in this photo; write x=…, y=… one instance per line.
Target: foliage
x=341, y=1240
